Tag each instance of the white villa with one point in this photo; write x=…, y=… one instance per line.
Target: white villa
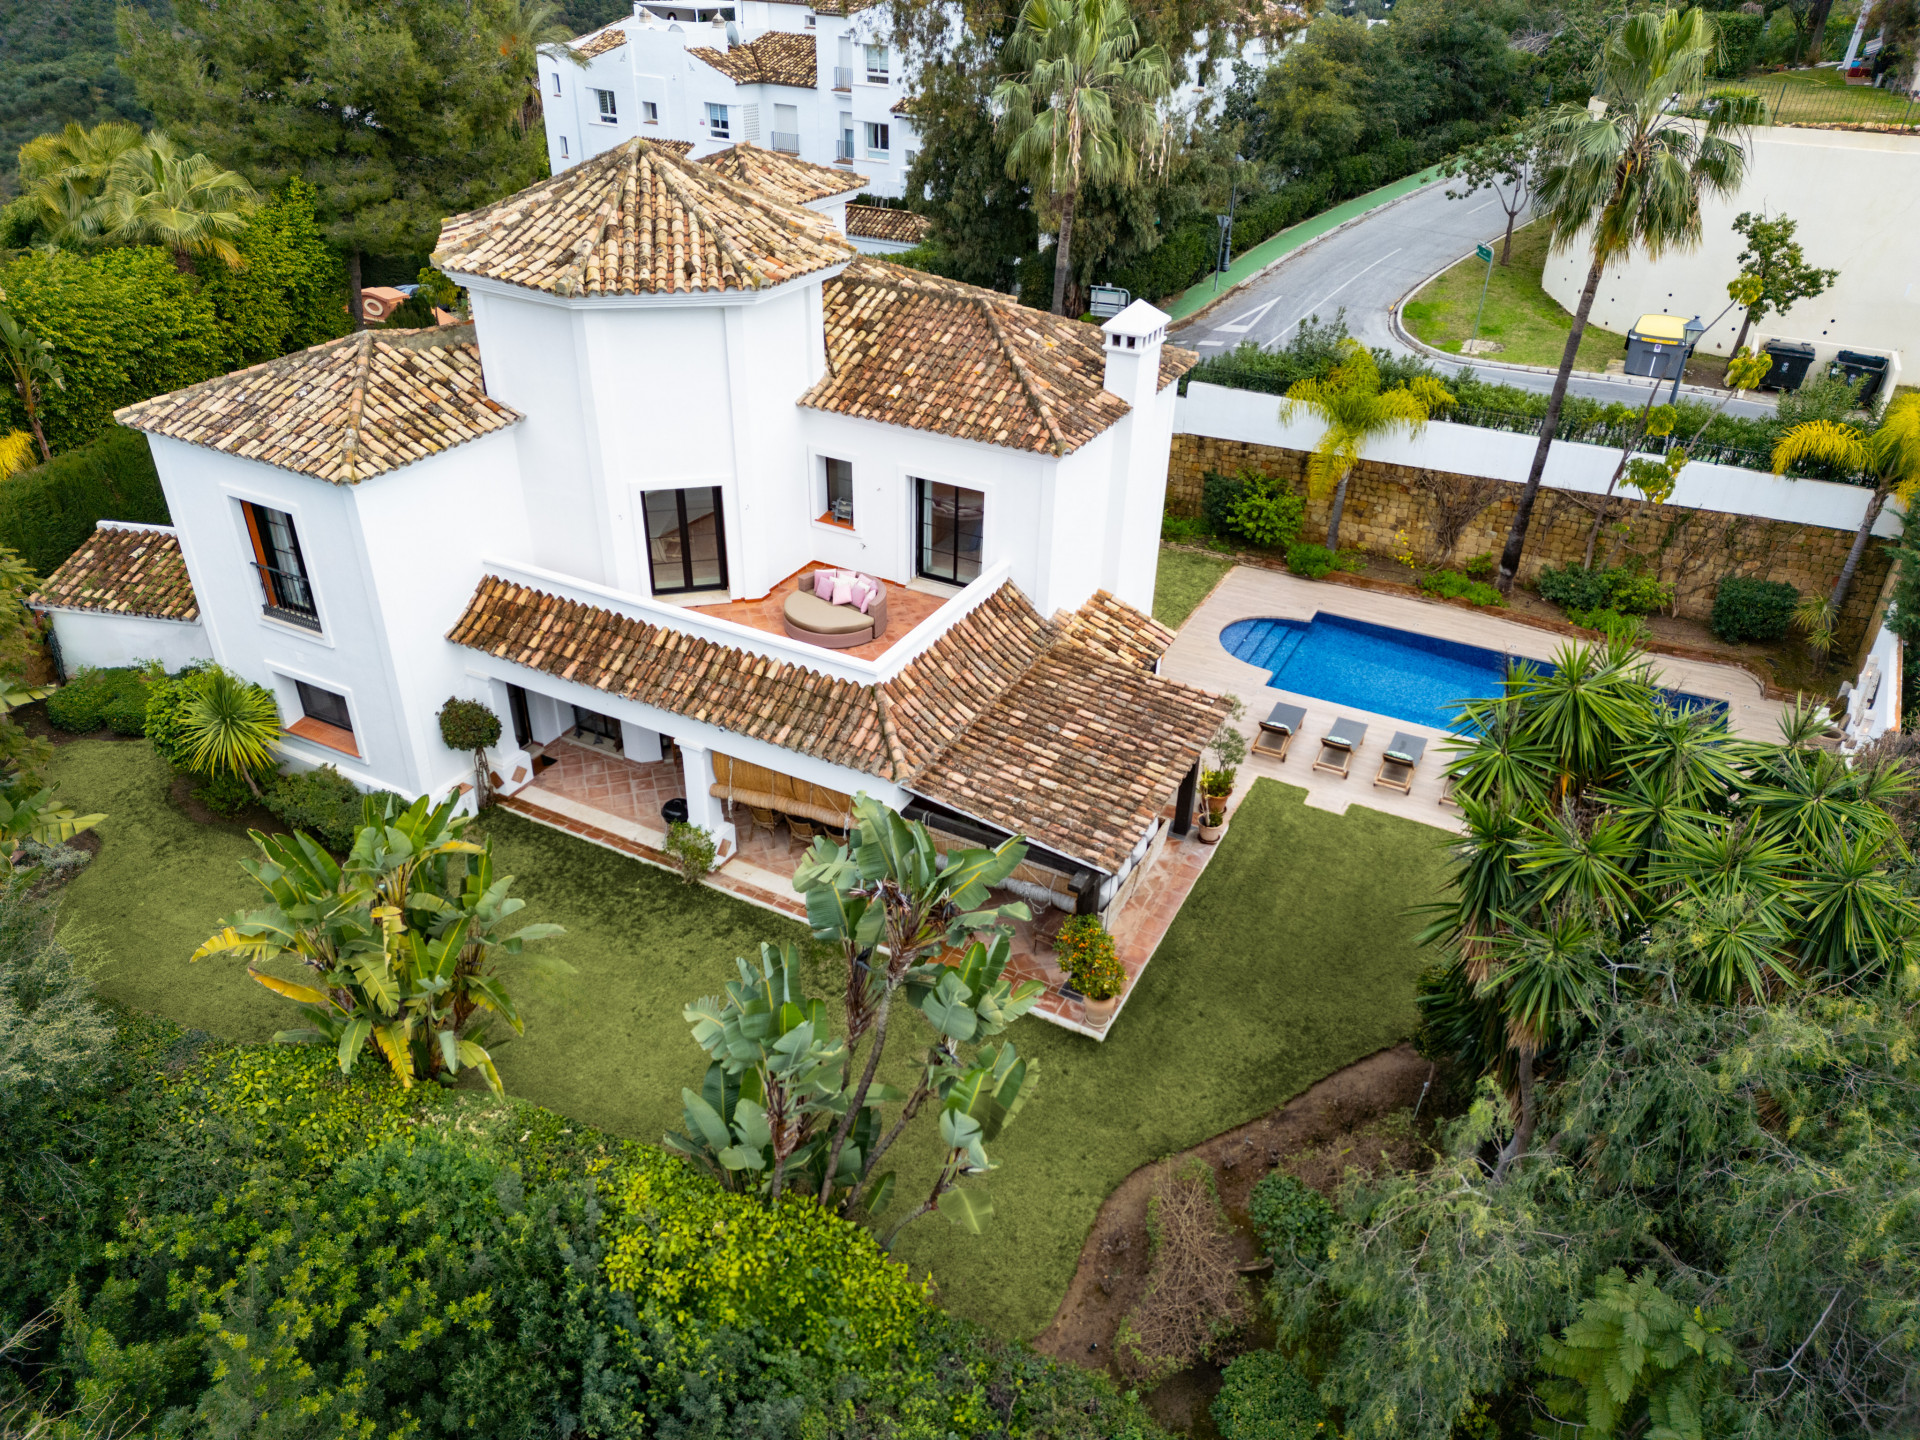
x=602, y=508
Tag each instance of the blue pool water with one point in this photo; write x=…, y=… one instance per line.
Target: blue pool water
x=1361, y=666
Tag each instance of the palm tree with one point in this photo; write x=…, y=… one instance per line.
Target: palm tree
x=65, y=176
x=159, y=195
x=31, y=365
x=1082, y=109
x=523, y=30
x=1627, y=172
x=16, y=452
x=1890, y=454
x=1357, y=411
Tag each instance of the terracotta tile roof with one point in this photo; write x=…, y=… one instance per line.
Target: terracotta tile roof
x=786, y=177
x=677, y=147
x=639, y=220
x=907, y=348
x=1081, y=754
x=123, y=571
x=598, y=42
x=1033, y=725
x=779, y=57
x=842, y=7
x=342, y=411
x=882, y=222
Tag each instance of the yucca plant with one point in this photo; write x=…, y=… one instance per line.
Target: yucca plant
x=16, y=453
x=232, y=727
x=1889, y=455
x=1357, y=411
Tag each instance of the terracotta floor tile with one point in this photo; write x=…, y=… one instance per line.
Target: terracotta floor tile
x=906, y=608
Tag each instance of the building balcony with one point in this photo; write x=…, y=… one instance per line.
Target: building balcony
x=785, y=142
x=843, y=152
x=843, y=77
x=917, y=616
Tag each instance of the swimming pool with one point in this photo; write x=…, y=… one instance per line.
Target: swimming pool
x=1362, y=666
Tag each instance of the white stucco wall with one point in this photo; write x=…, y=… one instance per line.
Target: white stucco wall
x=1857, y=200
x=1224, y=414
x=89, y=638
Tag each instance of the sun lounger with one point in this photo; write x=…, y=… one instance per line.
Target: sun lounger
x=1276, y=732
x=1447, y=787
x=1338, y=745
x=1401, y=760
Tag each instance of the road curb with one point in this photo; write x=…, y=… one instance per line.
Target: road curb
x=1300, y=249
x=1397, y=325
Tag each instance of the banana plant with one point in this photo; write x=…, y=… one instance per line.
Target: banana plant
x=35, y=815
x=976, y=1104
x=889, y=901
x=400, y=943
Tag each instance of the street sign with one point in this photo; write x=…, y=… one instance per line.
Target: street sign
x=1483, y=252
x=1107, y=301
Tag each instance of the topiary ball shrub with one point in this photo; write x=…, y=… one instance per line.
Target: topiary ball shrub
x=468, y=725
x=1293, y=1221
x=1746, y=610
x=1263, y=1396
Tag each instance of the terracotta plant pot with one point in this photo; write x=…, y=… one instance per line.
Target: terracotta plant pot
x=1099, y=1012
x=1210, y=834
x=1217, y=809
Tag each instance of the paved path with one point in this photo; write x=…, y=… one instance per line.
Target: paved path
x=1368, y=267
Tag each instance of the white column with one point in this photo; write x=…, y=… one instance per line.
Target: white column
x=703, y=807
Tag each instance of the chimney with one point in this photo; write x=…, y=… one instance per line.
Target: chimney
x=1133, y=341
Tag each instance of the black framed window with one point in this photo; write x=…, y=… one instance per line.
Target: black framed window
x=592, y=722
x=283, y=569
x=686, y=546
x=324, y=706
x=952, y=522
x=839, y=478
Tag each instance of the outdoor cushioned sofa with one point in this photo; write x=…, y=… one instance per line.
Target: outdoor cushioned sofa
x=809, y=616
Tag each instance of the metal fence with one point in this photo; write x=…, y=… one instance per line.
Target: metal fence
x=843, y=77
x=786, y=142
x=1790, y=100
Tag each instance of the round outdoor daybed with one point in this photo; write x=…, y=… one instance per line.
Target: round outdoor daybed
x=806, y=616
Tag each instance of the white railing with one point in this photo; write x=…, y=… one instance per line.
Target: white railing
x=784, y=141
x=774, y=646
x=843, y=77
x=843, y=150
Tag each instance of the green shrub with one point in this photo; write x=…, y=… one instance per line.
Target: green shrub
x=1749, y=610
x=1180, y=528
x=693, y=847
x=1739, y=42
x=1263, y=1396
x=1574, y=587
x=468, y=725
x=224, y=794
x=1219, y=494
x=1086, y=953
x=1294, y=1221
x=1640, y=594
x=1452, y=585
x=323, y=803
x=167, y=701
x=1311, y=562
x=49, y=512
x=1612, y=623
x=1267, y=514
x=1481, y=566
x=291, y=291
x=92, y=698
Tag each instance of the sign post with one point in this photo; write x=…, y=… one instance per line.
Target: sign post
x=1480, y=252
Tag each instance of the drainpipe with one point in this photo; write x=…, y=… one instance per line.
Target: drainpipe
x=1183, y=802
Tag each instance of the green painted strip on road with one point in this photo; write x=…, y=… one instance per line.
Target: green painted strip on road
x=1290, y=239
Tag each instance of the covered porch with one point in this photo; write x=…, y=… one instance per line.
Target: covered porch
x=588, y=790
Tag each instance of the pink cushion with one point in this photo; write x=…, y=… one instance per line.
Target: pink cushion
x=863, y=593
x=823, y=584
x=842, y=588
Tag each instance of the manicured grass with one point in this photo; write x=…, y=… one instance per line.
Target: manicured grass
x=1823, y=96
x=1528, y=323
x=1185, y=579
x=1293, y=957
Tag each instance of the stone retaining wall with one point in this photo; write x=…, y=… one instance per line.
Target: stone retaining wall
x=1694, y=549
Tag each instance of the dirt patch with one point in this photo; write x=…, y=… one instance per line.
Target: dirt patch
x=1316, y=1136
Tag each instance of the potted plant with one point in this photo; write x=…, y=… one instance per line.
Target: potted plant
x=1216, y=788
x=1093, y=970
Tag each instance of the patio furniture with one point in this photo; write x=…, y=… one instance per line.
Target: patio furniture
x=836, y=624
x=1275, y=736
x=1404, y=753
x=1338, y=744
x=798, y=829
x=1447, y=787
x=765, y=819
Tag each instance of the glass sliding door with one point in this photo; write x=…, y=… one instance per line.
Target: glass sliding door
x=951, y=526
x=685, y=547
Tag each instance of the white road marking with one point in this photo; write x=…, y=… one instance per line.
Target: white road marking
x=1246, y=319
x=1478, y=208
x=1353, y=277
x=1204, y=343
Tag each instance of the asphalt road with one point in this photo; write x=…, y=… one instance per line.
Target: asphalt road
x=1367, y=268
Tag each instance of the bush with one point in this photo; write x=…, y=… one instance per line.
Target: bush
x=1180, y=528
x=1574, y=587
x=1219, y=494
x=693, y=847
x=1641, y=594
x=49, y=512
x=1749, y=610
x=92, y=698
x=1311, y=562
x=1086, y=954
x=1294, y=1221
x=1739, y=43
x=224, y=794
x=323, y=803
x=1452, y=585
x=167, y=701
x=1195, y=1296
x=1480, y=567
x=1612, y=623
x=292, y=290
x=1263, y=1396
x=1266, y=514
x=468, y=725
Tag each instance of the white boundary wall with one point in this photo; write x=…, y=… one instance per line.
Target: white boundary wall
x=1253, y=417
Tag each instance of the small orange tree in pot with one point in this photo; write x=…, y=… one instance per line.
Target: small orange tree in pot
x=1087, y=955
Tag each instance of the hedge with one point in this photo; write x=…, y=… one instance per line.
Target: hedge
x=48, y=512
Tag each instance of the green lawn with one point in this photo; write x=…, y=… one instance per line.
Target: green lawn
x=1528, y=323
x=1823, y=96
x=1184, y=580
x=1293, y=957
